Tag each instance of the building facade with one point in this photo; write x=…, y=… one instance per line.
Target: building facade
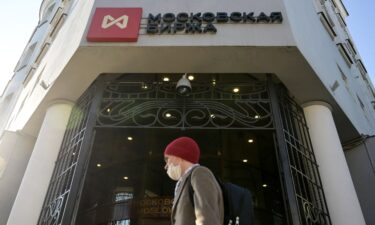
x=275, y=92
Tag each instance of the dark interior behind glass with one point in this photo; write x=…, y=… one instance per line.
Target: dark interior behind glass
x=126, y=183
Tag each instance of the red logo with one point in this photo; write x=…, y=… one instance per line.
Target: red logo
x=115, y=25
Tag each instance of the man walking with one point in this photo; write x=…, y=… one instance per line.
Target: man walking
x=181, y=157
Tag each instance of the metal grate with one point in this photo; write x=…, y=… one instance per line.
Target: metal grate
x=209, y=106
x=303, y=167
x=60, y=185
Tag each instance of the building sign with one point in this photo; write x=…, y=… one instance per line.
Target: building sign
x=204, y=22
x=156, y=207
x=123, y=24
x=115, y=25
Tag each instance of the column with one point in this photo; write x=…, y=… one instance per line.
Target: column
x=342, y=201
x=34, y=185
x=15, y=152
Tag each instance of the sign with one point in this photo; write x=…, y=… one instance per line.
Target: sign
x=115, y=25
x=156, y=207
x=205, y=22
x=123, y=24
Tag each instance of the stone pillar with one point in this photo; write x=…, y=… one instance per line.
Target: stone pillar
x=30, y=197
x=15, y=152
x=342, y=200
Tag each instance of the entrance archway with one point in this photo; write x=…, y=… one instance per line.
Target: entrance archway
x=110, y=168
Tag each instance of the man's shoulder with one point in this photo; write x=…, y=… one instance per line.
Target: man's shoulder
x=201, y=170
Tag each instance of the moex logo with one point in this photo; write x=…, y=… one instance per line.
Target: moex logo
x=115, y=25
x=121, y=22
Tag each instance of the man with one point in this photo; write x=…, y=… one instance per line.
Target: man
x=181, y=157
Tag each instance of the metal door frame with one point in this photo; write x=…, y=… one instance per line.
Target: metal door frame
x=285, y=116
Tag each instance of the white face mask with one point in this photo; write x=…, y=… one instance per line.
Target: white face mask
x=174, y=172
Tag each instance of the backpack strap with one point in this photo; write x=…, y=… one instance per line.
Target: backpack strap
x=190, y=187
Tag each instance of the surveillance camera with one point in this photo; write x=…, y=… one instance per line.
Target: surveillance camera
x=183, y=86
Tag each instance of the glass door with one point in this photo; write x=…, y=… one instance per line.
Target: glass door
x=126, y=183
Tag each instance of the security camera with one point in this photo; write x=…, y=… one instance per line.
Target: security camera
x=183, y=86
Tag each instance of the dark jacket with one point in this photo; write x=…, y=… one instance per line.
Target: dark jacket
x=208, y=200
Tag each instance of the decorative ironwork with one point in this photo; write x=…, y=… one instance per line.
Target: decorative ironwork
x=303, y=167
x=207, y=107
x=313, y=214
x=53, y=211
x=60, y=185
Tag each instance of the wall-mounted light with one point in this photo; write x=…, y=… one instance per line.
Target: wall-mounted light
x=244, y=160
x=264, y=185
x=130, y=138
x=166, y=79
x=250, y=140
x=191, y=77
x=236, y=90
x=98, y=165
x=125, y=178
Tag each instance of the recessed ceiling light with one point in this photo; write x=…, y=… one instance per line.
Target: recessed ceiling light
x=191, y=77
x=264, y=185
x=166, y=79
x=244, y=160
x=235, y=90
x=99, y=165
x=130, y=138
x=250, y=140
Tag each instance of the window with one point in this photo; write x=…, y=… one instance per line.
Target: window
x=360, y=102
x=42, y=53
x=362, y=69
x=328, y=24
x=57, y=25
x=26, y=58
x=341, y=20
x=50, y=5
x=350, y=46
x=344, y=52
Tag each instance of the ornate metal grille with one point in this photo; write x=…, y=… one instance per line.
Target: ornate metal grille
x=209, y=106
x=303, y=167
x=60, y=185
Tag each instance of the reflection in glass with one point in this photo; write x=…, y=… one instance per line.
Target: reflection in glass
x=146, y=197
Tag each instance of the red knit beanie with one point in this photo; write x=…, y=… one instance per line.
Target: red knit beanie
x=185, y=148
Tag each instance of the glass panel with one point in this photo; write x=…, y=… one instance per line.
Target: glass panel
x=126, y=183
